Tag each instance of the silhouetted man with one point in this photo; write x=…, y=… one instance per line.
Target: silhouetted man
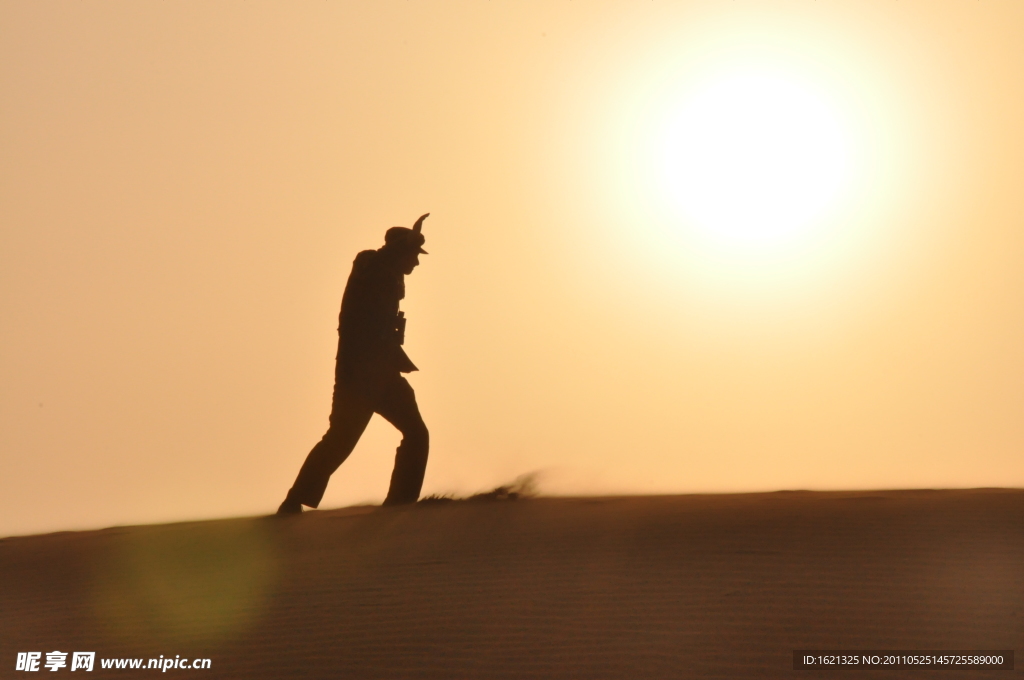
x=368, y=374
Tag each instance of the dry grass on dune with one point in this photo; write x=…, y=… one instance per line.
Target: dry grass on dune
x=523, y=486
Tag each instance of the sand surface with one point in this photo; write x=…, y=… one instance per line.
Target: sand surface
x=709, y=586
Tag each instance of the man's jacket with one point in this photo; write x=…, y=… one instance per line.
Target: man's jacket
x=369, y=344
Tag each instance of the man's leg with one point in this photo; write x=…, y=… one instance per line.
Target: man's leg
x=398, y=406
x=350, y=414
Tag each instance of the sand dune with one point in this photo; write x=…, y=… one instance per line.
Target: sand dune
x=627, y=587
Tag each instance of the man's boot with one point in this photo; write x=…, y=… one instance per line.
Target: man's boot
x=290, y=506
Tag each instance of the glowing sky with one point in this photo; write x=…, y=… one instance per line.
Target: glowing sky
x=674, y=247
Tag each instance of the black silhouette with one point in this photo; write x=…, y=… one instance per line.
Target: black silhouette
x=368, y=374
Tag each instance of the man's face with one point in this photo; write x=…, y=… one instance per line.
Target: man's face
x=409, y=261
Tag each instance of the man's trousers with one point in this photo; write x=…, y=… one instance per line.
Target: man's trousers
x=351, y=411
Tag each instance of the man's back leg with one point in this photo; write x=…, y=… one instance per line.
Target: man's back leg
x=349, y=417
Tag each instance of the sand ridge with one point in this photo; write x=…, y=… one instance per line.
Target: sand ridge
x=622, y=587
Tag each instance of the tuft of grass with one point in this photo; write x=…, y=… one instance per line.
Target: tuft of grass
x=437, y=499
x=523, y=486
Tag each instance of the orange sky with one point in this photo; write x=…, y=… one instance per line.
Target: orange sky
x=183, y=188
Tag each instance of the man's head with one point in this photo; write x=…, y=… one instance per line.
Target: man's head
x=405, y=245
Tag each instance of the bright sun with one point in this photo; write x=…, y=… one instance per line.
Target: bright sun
x=746, y=167
x=751, y=160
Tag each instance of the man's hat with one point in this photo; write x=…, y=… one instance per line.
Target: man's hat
x=404, y=238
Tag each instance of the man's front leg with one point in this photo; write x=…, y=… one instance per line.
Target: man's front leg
x=398, y=407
